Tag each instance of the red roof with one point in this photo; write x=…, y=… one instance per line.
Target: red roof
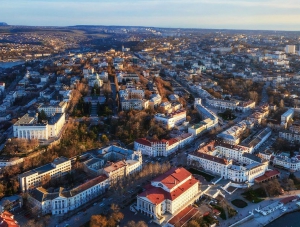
x=143, y=141
x=183, y=216
x=288, y=199
x=157, y=195
x=268, y=174
x=210, y=157
x=173, y=177
x=7, y=220
x=172, y=141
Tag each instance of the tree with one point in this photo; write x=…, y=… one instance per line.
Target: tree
x=42, y=116
x=98, y=220
x=193, y=223
x=136, y=224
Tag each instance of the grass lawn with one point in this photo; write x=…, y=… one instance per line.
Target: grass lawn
x=205, y=175
x=239, y=203
x=254, y=195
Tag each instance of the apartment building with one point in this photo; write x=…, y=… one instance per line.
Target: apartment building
x=34, y=178
x=169, y=193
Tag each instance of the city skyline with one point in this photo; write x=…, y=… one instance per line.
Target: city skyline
x=214, y=14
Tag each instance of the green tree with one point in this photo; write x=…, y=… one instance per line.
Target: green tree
x=42, y=116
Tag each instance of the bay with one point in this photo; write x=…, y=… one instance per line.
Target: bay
x=287, y=220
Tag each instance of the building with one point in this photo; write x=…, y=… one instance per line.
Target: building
x=284, y=161
x=232, y=162
x=10, y=161
x=168, y=194
x=113, y=161
x=163, y=147
x=53, y=109
x=290, y=49
x=27, y=127
x=230, y=104
x=233, y=134
x=34, y=178
x=171, y=120
x=287, y=116
x=63, y=201
x=7, y=220
x=154, y=101
x=134, y=104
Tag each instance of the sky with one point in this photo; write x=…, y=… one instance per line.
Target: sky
x=220, y=14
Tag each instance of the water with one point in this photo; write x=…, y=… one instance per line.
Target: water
x=10, y=64
x=288, y=220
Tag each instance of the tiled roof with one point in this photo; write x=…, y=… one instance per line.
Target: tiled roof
x=184, y=216
x=210, y=157
x=173, y=177
x=7, y=220
x=157, y=195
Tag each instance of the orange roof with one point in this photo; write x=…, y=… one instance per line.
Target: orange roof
x=7, y=220
x=267, y=175
x=183, y=216
x=114, y=166
x=157, y=195
x=173, y=177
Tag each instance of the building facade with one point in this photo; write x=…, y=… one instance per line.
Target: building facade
x=34, y=178
x=169, y=193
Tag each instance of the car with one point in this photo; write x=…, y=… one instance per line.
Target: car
x=101, y=205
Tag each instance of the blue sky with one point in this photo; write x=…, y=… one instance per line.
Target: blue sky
x=228, y=14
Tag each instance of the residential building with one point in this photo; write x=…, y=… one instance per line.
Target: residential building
x=169, y=193
x=34, y=178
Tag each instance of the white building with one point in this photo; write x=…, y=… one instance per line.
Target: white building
x=27, y=127
x=163, y=147
x=233, y=134
x=155, y=100
x=292, y=164
x=290, y=49
x=169, y=193
x=63, y=201
x=33, y=178
x=171, y=120
x=230, y=104
x=7, y=161
x=53, y=109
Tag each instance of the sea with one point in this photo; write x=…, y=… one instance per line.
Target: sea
x=287, y=220
x=10, y=64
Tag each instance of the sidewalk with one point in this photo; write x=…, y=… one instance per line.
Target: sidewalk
x=260, y=220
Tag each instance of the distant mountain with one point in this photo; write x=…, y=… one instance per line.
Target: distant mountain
x=3, y=24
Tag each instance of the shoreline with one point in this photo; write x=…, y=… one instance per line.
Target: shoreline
x=283, y=214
